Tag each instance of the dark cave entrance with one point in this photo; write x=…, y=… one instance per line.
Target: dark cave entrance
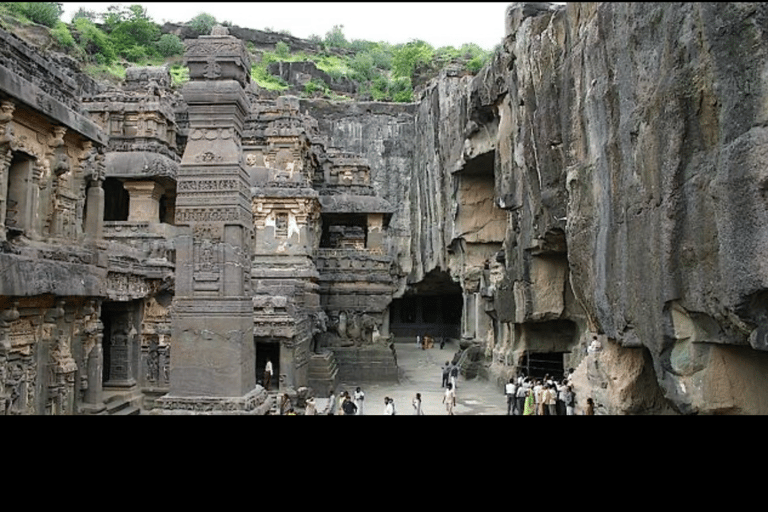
x=431, y=308
x=540, y=364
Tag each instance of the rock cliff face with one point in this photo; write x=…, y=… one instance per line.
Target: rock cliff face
x=606, y=175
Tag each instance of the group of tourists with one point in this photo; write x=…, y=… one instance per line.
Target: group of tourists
x=527, y=396
x=345, y=405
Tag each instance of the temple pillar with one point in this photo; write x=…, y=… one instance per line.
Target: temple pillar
x=94, y=215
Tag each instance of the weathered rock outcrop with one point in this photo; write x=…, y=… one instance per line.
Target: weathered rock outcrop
x=633, y=135
x=604, y=176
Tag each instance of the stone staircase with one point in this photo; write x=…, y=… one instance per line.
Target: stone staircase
x=322, y=373
x=121, y=405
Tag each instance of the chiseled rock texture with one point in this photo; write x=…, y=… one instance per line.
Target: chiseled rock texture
x=639, y=129
x=623, y=152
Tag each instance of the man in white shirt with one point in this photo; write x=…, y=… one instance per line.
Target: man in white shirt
x=268, y=374
x=450, y=399
x=511, y=392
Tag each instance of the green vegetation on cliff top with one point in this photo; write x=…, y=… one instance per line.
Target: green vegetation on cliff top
x=108, y=42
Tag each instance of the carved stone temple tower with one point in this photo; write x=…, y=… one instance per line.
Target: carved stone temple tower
x=213, y=365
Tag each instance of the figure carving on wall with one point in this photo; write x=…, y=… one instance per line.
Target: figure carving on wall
x=341, y=326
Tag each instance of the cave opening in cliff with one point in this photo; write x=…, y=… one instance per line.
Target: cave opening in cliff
x=541, y=364
x=548, y=345
x=432, y=307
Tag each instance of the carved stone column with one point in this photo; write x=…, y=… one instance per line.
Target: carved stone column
x=144, y=201
x=93, y=395
x=6, y=137
x=213, y=354
x=94, y=214
x=5, y=164
x=7, y=317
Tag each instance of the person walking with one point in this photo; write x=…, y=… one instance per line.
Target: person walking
x=449, y=399
x=359, y=399
x=511, y=392
x=417, y=405
x=446, y=374
x=590, y=410
x=454, y=376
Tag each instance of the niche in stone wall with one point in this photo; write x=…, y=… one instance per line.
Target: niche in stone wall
x=18, y=216
x=344, y=231
x=478, y=218
x=116, y=200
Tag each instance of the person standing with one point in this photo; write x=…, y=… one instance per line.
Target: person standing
x=348, y=406
x=551, y=400
x=285, y=404
x=511, y=392
x=568, y=398
x=560, y=407
x=342, y=397
x=330, y=409
x=449, y=399
x=268, y=374
x=389, y=407
x=590, y=410
x=311, y=409
x=521, y=395
x=446, y=372
x=537, y=389
x=359, y=399
x=529, y=409
x=417, y=405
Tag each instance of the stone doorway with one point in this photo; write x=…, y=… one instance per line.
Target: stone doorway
x=540, y=364
x=268, y=350
x=120, y=346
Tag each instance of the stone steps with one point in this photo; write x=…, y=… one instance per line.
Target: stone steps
x=121, y=405
x=322, y=373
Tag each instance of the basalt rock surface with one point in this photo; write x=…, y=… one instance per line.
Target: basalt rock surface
x=604, y=176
